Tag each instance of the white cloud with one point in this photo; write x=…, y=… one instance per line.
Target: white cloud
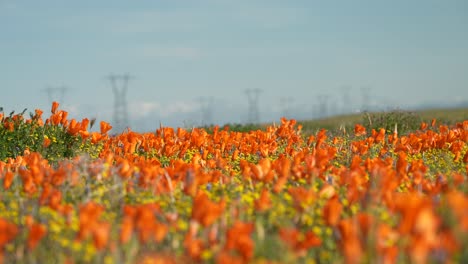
x=72, y=109
x=144, y=109
x=179, y=107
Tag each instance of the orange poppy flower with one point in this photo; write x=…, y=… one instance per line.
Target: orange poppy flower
x=36, y=233
x=299, y=242
x=365, y=222
x=158, y=258
x=213, y=235
x=402, y=164
x=426, y=226
x=310, y=140
x=320, y=138
x=63, y=119
x=159, y=231
x=264, y=202
x=84, y=123
x=8, y=232
x=125, y=168
x=38, y=113
x=359, y=130
x=423, y=126
x=55, y=106
x=332, y=211
x=46, y=142
x=55, y=199
x=143, y=219
x=8, y=179
x=386, y=243
x=458, y=202
x=302, y=197
x=448, y=243
x=126, y=230
x=89, y=214
x=261, y=171
x=204, y=211
x=10, y=126
x=380, y=136
x=28, y=182
x=105, y=127
x=238, y=238
x=350, y=243
x=283, y=167
x=193, y=246
x=73, y=127
x=96, y=137
x=224, y=257
x=100, y=234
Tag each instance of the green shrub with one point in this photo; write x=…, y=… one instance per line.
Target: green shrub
x=18, y=134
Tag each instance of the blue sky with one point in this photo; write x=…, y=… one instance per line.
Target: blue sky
x=405, y=53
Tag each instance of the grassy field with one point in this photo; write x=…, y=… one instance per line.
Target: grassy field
x=389, y=188
x=445, y=116
x=374, y=120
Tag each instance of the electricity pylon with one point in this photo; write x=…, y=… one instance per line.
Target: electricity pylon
x=323, y=105
x=286, y=103
x=365, y=91
x=206, y=107
x=346, y=107
x=252, y=97
x=119, y=85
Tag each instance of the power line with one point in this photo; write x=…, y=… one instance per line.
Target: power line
x=252, y=99
x=119, y=85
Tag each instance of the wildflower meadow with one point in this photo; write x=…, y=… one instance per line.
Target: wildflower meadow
x=271, y=195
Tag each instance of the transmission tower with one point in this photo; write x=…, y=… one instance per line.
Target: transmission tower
x=332, y=107
x=346, y=107
x=365, y=91
x=286, y=103
x=55, y=93
x=323, y=105
x=206, y=107
x=119, y=85
x=252, y=97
